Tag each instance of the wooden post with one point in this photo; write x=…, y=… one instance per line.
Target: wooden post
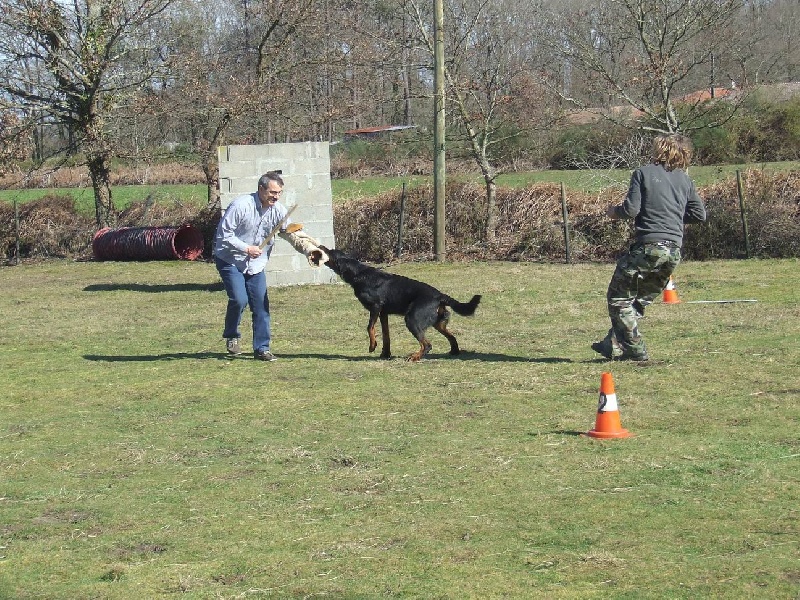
x=399, y=248
x=16, y=231
x=438, y=137
x=566, y=224
x=740, y=189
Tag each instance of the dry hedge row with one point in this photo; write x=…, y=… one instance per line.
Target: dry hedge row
x=772, y=211
x=530, y=224
x=50, y=227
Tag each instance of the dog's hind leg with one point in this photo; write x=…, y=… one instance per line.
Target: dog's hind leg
x=424, y=348
x=418, y=319
x=373, y=318
x=386, y=352
x=441, y=327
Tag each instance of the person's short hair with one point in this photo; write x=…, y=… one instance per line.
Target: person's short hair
x=275, y=176
x=673, y=150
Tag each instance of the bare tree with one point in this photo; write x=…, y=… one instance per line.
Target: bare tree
x=645, y=54
x=789, y=30
x=323, y=65
x=211, y=82
x=15, y=139
x=488, y=44
x=85, y=57
x=771, y=50
x=751, y=59
x=233, y=79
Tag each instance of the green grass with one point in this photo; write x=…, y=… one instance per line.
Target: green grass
x=123, y=195
x=587, y=180
x=348, y=189
x=595, y=180
x=138, y=461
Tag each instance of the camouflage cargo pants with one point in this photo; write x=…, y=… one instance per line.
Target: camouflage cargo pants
x=641, y=274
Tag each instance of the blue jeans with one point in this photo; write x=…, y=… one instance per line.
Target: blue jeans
x=244, y=290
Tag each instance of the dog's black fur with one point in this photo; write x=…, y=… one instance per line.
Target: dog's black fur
x=384, y=294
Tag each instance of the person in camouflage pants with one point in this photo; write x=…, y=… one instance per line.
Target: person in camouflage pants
x=661, y=199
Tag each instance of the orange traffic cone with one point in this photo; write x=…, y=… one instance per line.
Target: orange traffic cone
x=670, y=295
x=608, y=424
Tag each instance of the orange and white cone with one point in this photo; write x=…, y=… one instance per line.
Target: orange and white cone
x=608, y=424
x=670, y=295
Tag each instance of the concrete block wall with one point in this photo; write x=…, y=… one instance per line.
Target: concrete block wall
x=306, y=170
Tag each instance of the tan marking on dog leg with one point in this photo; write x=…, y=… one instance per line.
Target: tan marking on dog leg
x=373, y=342
x=441, y=327
x=424, y=348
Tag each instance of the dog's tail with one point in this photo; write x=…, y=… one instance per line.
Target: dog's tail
x=464, y=309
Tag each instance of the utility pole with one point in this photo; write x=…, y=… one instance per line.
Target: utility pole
x=438, y=138
x=713, y=74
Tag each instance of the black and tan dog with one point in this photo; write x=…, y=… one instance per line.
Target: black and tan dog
x=384, y=294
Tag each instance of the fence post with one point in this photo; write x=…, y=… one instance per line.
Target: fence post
x=16, y=231
x=740, y=190
x=566, y=224
x=399, y=248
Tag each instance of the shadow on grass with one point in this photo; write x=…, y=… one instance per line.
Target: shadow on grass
x=156, y=288
x=642, y=365
x=157, y=357
x=479, y=356
x=318, y=356
x=494, y=357
x=210, y=355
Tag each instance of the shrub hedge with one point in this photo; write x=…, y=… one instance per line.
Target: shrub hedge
x=530, y=223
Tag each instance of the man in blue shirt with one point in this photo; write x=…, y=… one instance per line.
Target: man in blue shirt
x=241, y=252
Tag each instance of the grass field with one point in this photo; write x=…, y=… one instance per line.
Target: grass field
x=123, y=195
x=348, y=189
x=138, y=461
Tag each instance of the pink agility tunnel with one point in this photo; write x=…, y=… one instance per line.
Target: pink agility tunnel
x=148, y=243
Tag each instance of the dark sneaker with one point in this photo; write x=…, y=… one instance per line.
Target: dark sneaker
x=265, y=355
x=643, y=357
x=607, y=348
x=602, y=348
x=232, y=344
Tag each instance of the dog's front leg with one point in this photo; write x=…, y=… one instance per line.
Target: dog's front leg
x=387, y=351
x=373, y=342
